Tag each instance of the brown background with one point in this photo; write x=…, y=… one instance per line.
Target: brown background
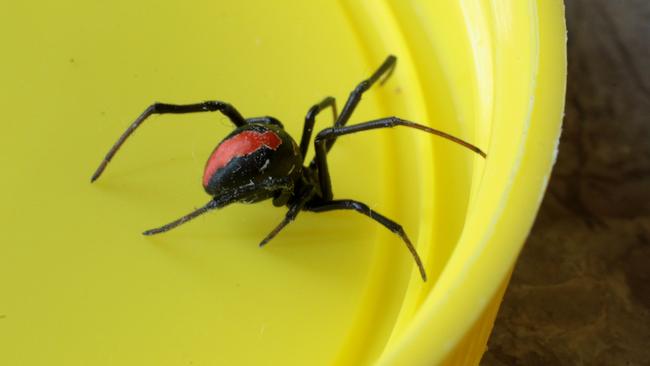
x=580, y=293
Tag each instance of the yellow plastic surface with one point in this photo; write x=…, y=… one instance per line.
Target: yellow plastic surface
x=79, y=285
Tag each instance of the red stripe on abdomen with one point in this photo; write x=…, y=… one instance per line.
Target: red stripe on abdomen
x=242, y=144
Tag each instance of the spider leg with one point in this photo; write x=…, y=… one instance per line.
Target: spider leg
x=386, y=69
x=265, y=120
x=210, y=206
x=327, y=134
x=290, y=216
x=162, y=108
x=386, y=222
x=310, y=120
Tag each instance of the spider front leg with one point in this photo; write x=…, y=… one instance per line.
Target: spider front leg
x=328, y=134
x=385, y=70
x=310, y=120
x=162, y=108
x=383, y=220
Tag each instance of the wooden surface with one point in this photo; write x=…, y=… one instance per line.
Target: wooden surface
x=580, y=293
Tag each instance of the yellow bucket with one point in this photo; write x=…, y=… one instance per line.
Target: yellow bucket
x=80, y=285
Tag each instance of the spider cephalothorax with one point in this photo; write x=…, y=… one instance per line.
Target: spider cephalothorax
x=259, y=160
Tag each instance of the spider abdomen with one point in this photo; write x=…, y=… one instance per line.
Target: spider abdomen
x=240, y=145
x=252, y=163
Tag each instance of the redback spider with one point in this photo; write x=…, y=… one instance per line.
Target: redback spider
x=259, y=160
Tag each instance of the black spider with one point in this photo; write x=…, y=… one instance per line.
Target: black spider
x=259, y=160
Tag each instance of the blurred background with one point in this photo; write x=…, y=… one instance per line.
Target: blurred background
x=580, y=293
